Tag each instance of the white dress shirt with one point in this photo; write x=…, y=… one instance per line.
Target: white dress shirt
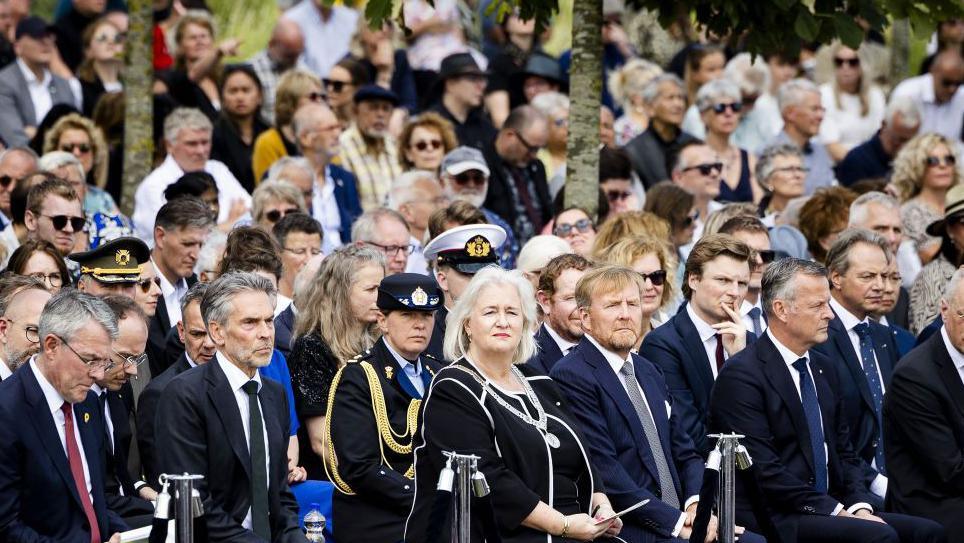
x=172, y=294
x=789, y=357
x=4, y=370
x=236, y=380
x=150, y=194
x=708, y=336
x=416, y=261
x=326, y=42
x=324, y=209
x=39, y=90
x=564, y=345
x=54, y=403
x=616, y=362
x=943, y=118
x=745, y=308
x=956, y=356
x=281, y=304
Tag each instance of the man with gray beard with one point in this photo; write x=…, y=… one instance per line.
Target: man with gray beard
x=464, y=175
x=21, y=301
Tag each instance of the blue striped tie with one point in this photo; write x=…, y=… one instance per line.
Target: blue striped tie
x=869, y=363
x=811, y=409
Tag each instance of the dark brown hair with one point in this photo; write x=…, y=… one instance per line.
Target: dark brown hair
x=709, y=248
x=458, y=213
x=251, y=249
x=20, y=257
x=555, y=267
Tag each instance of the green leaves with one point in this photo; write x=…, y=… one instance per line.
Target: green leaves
x=377, y=12
x=847, y=29
x=806, y=26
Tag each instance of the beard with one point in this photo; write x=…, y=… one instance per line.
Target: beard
x=622, y=339
x=472, y=197
x=15, y=359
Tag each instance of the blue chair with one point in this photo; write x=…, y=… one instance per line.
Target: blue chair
x=320, y=492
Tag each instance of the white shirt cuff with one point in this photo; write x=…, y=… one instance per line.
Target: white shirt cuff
x=858, y=506
x=679, y=525
x=879, y=485
x=837, y=510
x=690, y=501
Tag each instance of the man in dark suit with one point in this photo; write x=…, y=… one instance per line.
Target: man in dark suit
x=51, y=472
x=180, y=229
x=692, y=346
x=924, y=423
x=518, y=191
x=20, y=111
x=113, y=400
x=861, y=350
x=223, y=421
x=623, y=407
x=198, y=350
x=562, y=328
x=782, y=396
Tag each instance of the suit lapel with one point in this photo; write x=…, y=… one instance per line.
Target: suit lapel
x=949, y=374
x=886, y=351
x=853, y=365
x=654, y=399
x=226, y=406
x=29, y=112
x=277, y=442
x=548, y=349
x=161, y=315
x=779, y=376
x=694, y=348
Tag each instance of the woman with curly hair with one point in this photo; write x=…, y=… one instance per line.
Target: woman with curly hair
x=924, y=170
x=424, y=141
x=80, y=137
x=335, y=322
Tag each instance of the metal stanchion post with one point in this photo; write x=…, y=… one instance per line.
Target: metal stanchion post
x=186, y=504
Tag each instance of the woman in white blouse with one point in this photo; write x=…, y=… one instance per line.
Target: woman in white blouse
x=854, y=105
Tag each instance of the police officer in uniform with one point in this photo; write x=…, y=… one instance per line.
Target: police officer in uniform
x=373, y=414
x=113, y=267
x=455, y=256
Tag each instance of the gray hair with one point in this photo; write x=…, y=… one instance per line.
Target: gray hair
x=274, y=172
x=751, y=75
x=456, y=342
x=549, y=102
x=778, y=283
x=910, y=114
x=193, y=294
x=218, y=302
x=858, y=209
x=793, y=92
x=405, y=187
x=185, y=118
x=952, y=285
x=58, y=159
x=765, y=163
x=70, y=310
x=275, y=190
x=365, y=225
x=211, y=252
x=651, y=90
x=305, y=115
x=713, y=90
x=838, y=257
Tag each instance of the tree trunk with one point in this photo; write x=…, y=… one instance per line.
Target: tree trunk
x=138, y=100
x=585, y=93
x=899, y=51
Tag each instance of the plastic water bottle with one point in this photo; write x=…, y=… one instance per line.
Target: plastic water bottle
x=315, y=525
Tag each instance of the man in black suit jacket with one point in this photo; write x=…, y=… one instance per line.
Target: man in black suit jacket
x=518, y=191
x=861, y=350
x=782, y=396
x=692, y=346
x=199, y=349
x=562, y=328
x=51, y=469
x=924, y=423
x=223, y=421
x=180, y=229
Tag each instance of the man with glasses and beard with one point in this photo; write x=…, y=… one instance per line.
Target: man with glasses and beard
x=368, y=150
x=21, y=301
x=465, y=176
x=562, y=328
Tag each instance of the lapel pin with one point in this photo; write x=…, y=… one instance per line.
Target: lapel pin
x=389, y=371
x=86, y=418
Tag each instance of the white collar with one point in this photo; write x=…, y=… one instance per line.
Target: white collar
x=236, y=377
x=4, y=370
x=29, y=75
x=54, y=400
x=96, y=389
x=190, y=361
x=703, y=328
x=789, y=357
x=848, y=319
x=956, y=356
x=167, y=288
x=564, y=345
x=615, y=361
x=746, y=306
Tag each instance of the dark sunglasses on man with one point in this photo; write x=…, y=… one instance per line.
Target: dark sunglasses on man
x=706, y=169
x=145, y=284
x=6, y=180
x=474, y=177
x=60, y=222
x=618, y=195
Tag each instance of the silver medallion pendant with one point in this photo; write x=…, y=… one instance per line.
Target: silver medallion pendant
x=552, y=440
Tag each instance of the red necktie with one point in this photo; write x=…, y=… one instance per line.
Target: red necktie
x=719, y=353
x=77, y=470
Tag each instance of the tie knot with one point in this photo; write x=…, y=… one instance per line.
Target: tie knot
x=862, y=329
x=627, y=368
x=800, y=364
x=67, y=409
x=251, y=387
x=754, y=312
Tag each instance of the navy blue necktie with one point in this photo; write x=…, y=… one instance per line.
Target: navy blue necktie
x=755, y=319
x=869, y=364
x=811, y=409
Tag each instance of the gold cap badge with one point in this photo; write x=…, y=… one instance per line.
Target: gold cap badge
x=122, y=257
x=478, y=247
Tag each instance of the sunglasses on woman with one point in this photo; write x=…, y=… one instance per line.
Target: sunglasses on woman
x=852, y=62
x=582, y=225
x=425, y=144
x=657, y=278
x=71, y=147
x=145, y=284
x=335, y=86
x=275, y=214
x=946, y=160
x=60, y=222
x=618, y=195
x=735, y=107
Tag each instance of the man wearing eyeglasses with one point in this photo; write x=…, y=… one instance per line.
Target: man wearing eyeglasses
x=416, y=195
x=112, y=268
x=113, y=401
x=52, y=484
x=21, y=301
x=368, y=150
x=54, y=214
x=751, y=231
x=864, y=351
x=387, y=231
x=300, y=239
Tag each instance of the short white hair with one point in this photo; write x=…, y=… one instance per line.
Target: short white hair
x=274, y=172
x=185, y=118
x=793, y=92
x=910, y=114
x=549, y=102
x=714, y=90
x=858, y=209
x=951, y=286
x=405, y=187
x=538, y=251
x=211, y=252
x=751, y=75
x=456, y=342
x=58, y=159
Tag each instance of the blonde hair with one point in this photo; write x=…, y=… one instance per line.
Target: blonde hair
x=456, y=343
x=910, y=164
x=725, y=213
x=196, y=17
x=627, y=251
x=825, y=57
x=292, y=85
x=630, y=80
x=326, y=310
x=629, y=225
x=98, y=145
